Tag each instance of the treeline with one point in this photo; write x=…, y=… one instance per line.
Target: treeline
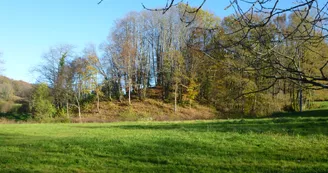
x=205, y=62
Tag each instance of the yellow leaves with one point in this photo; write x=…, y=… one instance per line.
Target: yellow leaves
x=192, y=90
x=93, y=59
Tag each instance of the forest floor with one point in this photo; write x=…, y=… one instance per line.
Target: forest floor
x=282, y=143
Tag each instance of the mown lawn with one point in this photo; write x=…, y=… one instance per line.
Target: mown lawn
x=293, y=143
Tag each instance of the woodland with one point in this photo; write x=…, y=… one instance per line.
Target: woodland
x=182, y=58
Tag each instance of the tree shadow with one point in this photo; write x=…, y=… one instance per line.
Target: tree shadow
x=305, y=123
x=279, y=126
x=65, y=154
x=310, y=113
x=289, y=126
x=16, y=116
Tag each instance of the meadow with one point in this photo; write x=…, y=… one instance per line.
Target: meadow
x=282, y=143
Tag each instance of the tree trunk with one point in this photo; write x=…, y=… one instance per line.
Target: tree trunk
x=129, y=88
x=175, y=97
x=301, y=99
x=109, y=90
x=79, y=108
x=300, y=82
x=67, y=112
x=98, y=107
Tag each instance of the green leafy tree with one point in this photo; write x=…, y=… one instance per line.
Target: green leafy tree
x=41, y=105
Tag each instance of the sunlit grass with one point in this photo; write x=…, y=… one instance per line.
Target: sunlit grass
x=287, y=144
x=321, y=104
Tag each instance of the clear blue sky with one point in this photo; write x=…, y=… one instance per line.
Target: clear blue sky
x=29, y=27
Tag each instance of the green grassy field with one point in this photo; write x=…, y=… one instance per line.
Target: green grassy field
x=293, y=143
x=321, y=105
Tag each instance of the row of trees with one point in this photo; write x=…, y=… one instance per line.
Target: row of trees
x=223, y=63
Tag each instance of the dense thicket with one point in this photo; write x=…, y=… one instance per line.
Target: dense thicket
x=148, y=51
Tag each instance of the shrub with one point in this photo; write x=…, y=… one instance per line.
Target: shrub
x=42, y=106
x=128, y=115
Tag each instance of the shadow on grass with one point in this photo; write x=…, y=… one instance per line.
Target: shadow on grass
x=281, y=126
x=16, y=116
x=150, y=155
x=306, y=123
x=311, y=113
x=166, y=154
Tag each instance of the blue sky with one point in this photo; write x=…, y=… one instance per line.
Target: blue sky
x=28, y=28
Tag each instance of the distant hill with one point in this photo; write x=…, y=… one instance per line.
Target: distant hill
x=14, y=95
x=17, y=88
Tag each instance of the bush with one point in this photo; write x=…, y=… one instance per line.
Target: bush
x=132, y=115
x=128, y=115
x=42, y=107
x=61, y=113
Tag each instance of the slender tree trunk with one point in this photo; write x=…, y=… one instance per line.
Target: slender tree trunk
x=254, y=104
x=175, y=97
x=109, y=94
x=129, y=91
x=67, y=111
x=300, y=82
x=301, y=99
x=79, y=108
x=98, y=107
x=294, y=97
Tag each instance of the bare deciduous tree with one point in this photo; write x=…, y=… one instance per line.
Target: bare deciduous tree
x=53, y=71
x=264, y=17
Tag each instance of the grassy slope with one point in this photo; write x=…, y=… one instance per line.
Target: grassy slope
x=290, y=144
x=149, y=109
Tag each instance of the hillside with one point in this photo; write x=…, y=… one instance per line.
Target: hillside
x=14, y=95
x=18, y=88
x=15, y=100
x=149, y=109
